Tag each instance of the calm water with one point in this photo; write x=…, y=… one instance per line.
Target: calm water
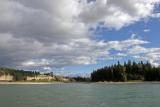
x=80, y=95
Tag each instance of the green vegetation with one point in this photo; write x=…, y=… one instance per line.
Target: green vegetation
x=30, y=76
x=18, y=75
x=81, y=79
x=127, y=72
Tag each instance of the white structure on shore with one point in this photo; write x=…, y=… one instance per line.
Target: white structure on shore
x=40, y=77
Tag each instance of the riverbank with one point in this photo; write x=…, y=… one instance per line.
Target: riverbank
x=23, y=83
x=105, y=82
x=130, y=82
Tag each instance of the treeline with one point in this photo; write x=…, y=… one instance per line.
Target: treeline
x=127, y=72
x=80, y=79
x=18, y=74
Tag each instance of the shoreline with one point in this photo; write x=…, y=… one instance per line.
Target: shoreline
x=131, y=82
x=28, y=83
x=105, y=82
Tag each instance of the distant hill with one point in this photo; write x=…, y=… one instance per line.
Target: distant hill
x=7, y=74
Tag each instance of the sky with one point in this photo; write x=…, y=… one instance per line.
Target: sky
x=75, y=37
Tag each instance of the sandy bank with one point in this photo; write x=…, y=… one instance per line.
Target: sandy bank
x=5, y=83
x=129, y=82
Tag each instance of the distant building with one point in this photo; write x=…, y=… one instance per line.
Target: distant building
x=40, y=77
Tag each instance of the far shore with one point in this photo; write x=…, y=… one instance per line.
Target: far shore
x=128, y=82
x=5, y=83
x=105, y=82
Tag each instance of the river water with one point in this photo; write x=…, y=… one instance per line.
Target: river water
x=81, y=95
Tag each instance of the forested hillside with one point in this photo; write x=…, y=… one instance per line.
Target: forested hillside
x=127, y=72
x=18, y=74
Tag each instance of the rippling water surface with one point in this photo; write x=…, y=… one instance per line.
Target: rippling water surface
x=81, y=95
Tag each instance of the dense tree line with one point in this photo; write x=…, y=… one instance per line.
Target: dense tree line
x=18, y=74
x=126, y=72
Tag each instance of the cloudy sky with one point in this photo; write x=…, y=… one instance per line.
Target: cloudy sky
x=74, y=37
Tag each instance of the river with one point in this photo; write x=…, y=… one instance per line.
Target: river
x=81, y=95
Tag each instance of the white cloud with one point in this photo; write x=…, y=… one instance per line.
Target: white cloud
x=146, y=30
x=125, y=44
x=148, y=54
x=137, y=50
x=156, y=15
x=43, y=34
x=116, y=13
